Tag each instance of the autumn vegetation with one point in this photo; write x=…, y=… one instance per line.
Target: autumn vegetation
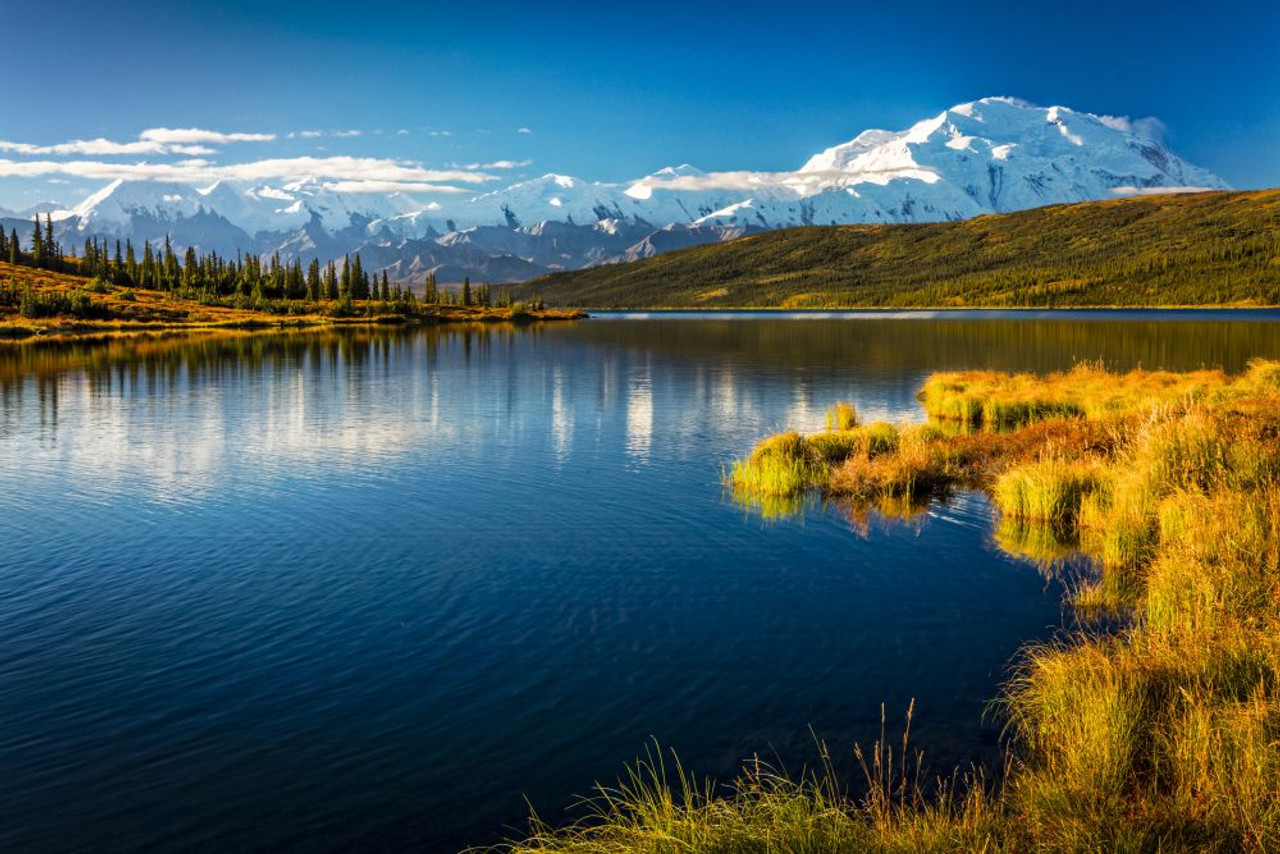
x=1201, y=249
x=113, y=287
x=1155, y=727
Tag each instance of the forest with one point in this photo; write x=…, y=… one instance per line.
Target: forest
x=100, y=283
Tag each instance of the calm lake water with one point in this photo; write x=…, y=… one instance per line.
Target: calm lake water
x=372, y=589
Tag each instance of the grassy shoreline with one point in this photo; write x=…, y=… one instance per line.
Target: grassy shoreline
x=71, y=330
x=119, y=310
x=952, y=309
x=1156, y=728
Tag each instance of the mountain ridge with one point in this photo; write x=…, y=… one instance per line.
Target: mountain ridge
x=992, y=155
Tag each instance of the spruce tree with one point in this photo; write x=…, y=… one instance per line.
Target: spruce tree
x=37, y=245
x=130, y=264
x=313, y=281
x=331, y=290
x=359, y=284
x=51, y=249
x=190, y=267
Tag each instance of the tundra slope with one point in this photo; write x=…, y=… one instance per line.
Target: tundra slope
x=1175, y=250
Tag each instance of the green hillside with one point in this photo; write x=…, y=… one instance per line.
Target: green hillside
x=1171, y=250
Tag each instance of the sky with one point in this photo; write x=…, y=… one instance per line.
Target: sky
x=465, y=97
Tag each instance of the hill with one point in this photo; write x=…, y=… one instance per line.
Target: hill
x=1220, y=248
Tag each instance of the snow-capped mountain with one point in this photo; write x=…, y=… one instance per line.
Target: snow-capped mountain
x=988, y=156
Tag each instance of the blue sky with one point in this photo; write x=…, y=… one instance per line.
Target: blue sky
x=605, y=91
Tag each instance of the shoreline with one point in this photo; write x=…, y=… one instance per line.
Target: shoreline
x=79, y=330
x=881, y=309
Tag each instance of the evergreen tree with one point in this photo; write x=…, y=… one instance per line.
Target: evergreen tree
x=37, y=245
x=130, y=264
x=190, y=268
x=147, y=274
x=51, y=249
x=313, y=281
x=359, y=283
x=331, y=290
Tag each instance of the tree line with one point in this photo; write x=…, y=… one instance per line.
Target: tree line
x=245, y=281
x=46, y=253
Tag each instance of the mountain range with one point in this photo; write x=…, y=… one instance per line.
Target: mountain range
x=993, y=155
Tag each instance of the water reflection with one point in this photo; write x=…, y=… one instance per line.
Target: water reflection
x=370, y=588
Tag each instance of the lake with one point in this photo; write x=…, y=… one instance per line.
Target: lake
x=371, y=589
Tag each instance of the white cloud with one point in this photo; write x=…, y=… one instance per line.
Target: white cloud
x=1158, y=191
x=407, y=176
x=391, y=187
x=102, y=147
x=501, y=164
x=1150, y=127
x=187, y=136
x=737, y=181
x=320, y=134
x=523, y=130
x=402, y=132
x=440, y=133
x=153, y=141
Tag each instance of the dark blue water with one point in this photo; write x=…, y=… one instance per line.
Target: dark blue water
x=370, y=590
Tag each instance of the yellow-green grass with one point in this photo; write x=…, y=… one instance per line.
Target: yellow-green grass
x=1158, y=732
x=1011, y=400
x=1173, y=250
x=657, y=807
x=132, y=310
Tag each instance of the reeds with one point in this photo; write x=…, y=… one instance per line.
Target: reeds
x=657, y=807
x=1162, y=734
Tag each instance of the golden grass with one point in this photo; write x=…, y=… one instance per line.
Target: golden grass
x=1161, y=735
x=137, y=309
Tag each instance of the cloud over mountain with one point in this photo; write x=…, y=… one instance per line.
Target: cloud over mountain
x=992, y=155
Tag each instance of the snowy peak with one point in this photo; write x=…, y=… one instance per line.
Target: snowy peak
x=120, y=203
x=1007, y=154
x=839, y=157
x=684, y=170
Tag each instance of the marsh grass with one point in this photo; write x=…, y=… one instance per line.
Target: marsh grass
x=658, y=807
x=1158, y=732
x=842, y=416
